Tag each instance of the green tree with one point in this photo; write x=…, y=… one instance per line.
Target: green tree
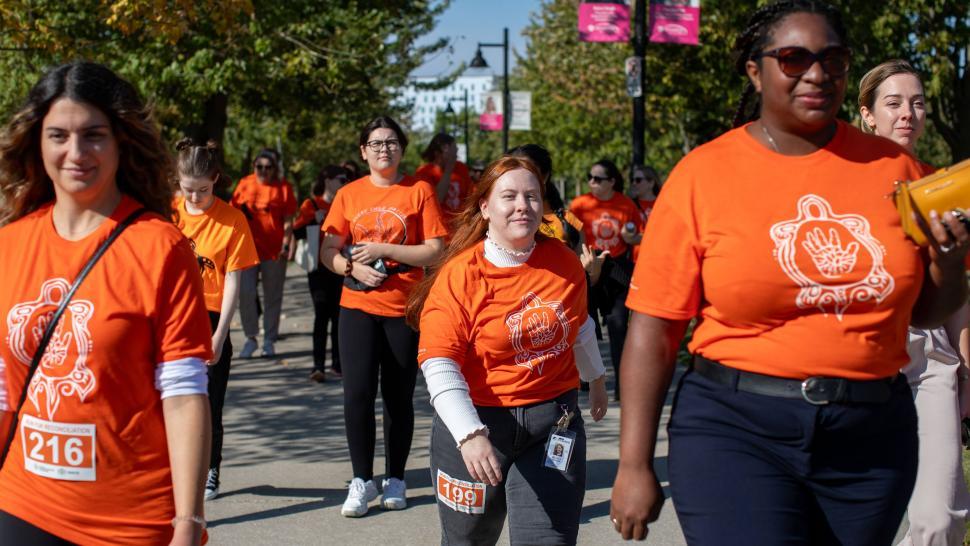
x=241, y=71
x=581, y=111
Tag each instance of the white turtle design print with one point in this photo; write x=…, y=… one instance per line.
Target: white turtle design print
x=539, y=330
x=56, y=376
x=837, y=246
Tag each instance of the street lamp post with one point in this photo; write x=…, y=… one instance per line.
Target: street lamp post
x=451, y=111
x=639, y=103
x=479, y=62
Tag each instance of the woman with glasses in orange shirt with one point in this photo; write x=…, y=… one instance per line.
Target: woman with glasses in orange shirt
x=380, y=233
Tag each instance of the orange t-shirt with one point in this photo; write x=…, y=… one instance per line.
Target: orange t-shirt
x=458, y=189
x=511, y=329
x=403, y=214
x=644, y=207
x=308, y=211
x=222, y=243
x=267, y=207
x=90, y=460
x=603, y=220
x=795, y=266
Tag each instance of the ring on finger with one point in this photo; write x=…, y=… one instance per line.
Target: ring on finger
x=946, y=249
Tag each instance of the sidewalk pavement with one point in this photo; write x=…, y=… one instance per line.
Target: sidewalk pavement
x=286, y=466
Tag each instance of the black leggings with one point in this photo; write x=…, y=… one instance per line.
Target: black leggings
x=218, y=382
x=14, y=530
x=616, y=316
x=325, y=289
x=372, y=346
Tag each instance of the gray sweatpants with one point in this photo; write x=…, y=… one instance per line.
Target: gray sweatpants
x=272, y=273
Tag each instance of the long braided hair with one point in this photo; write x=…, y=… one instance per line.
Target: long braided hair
x=756, y=36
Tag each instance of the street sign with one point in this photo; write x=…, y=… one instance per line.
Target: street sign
x=634, y=81
x=675, y=21
x=604, y=22
x=491, y=118
x=521, y=111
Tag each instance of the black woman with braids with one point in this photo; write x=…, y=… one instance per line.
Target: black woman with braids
x=792, y=425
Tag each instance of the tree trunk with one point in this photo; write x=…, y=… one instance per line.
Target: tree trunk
x=214, y=119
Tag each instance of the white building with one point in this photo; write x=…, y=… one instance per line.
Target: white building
x=426, y=103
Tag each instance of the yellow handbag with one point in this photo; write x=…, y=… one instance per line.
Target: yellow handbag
x=944, y=190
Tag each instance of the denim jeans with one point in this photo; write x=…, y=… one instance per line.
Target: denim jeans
x=753, y=469
x=542, y=504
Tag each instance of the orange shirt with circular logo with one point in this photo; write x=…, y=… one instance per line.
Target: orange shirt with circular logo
x=90, y=460
x=405, y=213
x=458, y=188
x=511, y=329
x=794, y=265
x=604, y=219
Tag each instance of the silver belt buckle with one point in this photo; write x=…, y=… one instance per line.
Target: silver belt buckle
x=808, y=384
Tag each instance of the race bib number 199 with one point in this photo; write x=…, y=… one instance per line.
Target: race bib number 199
x=461, y=496
x=61, y=451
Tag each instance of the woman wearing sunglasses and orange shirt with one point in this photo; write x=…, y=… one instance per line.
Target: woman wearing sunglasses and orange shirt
x=793, y=424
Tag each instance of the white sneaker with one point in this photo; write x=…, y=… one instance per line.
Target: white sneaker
x=358, y=495
x=269, y=351
x=395, y=494
x=248, y=348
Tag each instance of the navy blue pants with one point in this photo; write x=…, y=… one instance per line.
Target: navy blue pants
x=749, y=469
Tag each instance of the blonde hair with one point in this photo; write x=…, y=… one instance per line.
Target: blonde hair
x=869, y=85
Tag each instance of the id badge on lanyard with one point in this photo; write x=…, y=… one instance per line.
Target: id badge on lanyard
x=559, y=446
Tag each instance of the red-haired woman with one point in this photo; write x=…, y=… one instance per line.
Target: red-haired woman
x=505, y=339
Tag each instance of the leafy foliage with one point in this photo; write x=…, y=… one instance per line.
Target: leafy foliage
x=581, y=112
x=246, y=72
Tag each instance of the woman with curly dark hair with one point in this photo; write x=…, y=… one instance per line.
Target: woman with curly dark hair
x=112, y=431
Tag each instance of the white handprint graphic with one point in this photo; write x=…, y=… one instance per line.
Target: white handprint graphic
x=546, y=325
x=843, y=283
x=830, y=258
x=539, y=331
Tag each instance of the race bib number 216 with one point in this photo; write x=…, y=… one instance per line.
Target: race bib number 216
x=61, y=451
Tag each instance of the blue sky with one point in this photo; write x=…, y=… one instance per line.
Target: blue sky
x=467, y=22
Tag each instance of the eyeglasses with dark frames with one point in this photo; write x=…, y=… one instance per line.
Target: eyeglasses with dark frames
x=794, y=61
x=392, y=145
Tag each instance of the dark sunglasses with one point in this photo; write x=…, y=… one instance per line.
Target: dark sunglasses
x=638, y=179
x=597, y=179
x=794, y=61
x=264, y=167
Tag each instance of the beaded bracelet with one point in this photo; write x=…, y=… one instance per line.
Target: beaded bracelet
x=349, y=267
x=199, y=520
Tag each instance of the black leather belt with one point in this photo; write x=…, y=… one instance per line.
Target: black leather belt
x=814, y=390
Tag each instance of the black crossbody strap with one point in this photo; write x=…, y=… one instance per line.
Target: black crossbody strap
x=49, y=332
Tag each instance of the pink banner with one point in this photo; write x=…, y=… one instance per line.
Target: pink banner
x=603, y=22
x=490, y=122
x=675, y=21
